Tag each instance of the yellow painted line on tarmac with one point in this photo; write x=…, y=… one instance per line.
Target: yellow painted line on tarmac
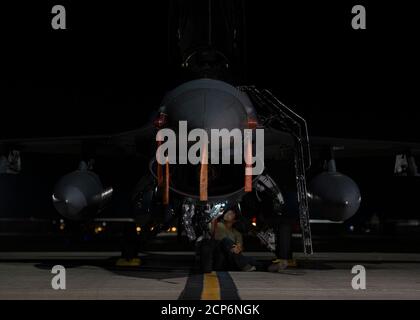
x=211, y=287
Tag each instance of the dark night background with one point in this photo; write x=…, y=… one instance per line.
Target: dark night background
x=108, y=70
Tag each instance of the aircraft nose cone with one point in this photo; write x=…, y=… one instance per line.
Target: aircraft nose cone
x=207, y=104
x=69, y=202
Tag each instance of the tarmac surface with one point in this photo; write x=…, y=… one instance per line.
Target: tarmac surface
x=171, y=275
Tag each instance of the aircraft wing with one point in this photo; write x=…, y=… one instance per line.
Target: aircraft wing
x=105, y=145
x=138, y=142
x=353, y=148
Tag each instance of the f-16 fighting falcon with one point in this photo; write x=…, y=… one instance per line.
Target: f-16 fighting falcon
x=269, y=183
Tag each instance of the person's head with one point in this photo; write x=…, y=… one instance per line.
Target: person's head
x=229, y=216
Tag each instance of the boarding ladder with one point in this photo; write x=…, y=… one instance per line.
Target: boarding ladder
x=273, y=113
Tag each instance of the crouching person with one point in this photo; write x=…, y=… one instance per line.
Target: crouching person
x=228, y=248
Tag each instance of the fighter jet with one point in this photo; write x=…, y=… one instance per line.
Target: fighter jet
x=197, y=193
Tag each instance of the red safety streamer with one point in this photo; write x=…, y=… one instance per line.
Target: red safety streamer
x=204, y=174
